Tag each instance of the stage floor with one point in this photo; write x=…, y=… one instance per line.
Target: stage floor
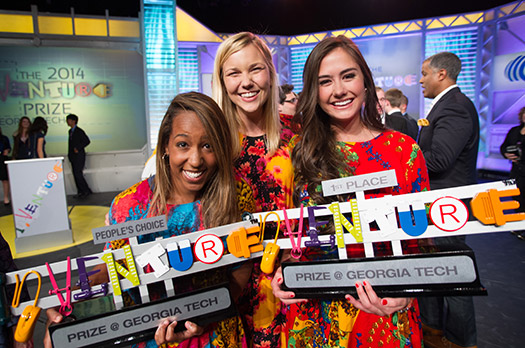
x=83, y=219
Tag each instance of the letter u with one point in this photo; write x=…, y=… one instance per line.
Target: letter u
x=180, y=261
x=420, y=224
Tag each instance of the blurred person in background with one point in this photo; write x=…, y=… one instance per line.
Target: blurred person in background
x=512, y=149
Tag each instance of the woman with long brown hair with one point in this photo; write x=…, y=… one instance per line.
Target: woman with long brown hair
x=342, y=135
x=20, y=139
x=194, y=188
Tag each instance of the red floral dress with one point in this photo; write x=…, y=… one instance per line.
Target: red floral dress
x=337, y=323
x=264, y=183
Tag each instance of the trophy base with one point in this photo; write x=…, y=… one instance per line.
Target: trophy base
x=139, y=323
x=448, y=270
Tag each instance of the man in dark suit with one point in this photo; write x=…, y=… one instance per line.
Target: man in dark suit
x=395, y=122
x=76, y=153
x=394, y=97
x=450, y=146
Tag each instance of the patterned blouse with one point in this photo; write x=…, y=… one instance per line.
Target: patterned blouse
x=134, y=204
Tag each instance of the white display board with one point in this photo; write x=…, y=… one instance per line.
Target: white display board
x=39, y=203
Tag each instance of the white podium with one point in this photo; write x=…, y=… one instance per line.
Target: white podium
x=38, y=197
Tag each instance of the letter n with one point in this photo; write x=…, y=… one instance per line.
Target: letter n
x=114, y=268
x=340, y=220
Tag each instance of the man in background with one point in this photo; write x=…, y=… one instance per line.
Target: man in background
x=394, y=122
x=287, y=100
x=404, y=105
x=449, y=143
x=393, y=100
x=76, y=153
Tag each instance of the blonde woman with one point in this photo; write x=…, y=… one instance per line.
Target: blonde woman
x=246, y=88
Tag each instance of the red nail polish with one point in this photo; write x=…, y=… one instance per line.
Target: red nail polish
x=279, y=280
x=364, y=283
x=357, y=285
x=292, y=295
x=347, y=297
x=384, y=302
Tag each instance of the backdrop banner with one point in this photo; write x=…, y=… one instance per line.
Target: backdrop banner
x=395, y=63
x=104, y=88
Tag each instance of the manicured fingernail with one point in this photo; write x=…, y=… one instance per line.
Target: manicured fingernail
x=384, y=302
x=357, y=285
x=364, y=283
x=347, y=297
x=279, y=280
x=292, y=295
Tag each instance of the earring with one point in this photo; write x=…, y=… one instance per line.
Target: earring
x=165, y=156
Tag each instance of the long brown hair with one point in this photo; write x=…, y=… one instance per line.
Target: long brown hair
x=39, y=125
x=19, y=133
x=230, y=46
x=315, y=157
x=219, y=199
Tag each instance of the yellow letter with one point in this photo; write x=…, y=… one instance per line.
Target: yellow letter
x=114, y=268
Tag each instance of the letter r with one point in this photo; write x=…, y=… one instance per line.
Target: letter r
x=451, y=213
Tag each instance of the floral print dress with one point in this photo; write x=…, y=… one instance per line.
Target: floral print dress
x=337, y=323
x=264, y=183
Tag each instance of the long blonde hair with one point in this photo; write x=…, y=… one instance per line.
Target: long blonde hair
x=272, y=124
x=218, y=198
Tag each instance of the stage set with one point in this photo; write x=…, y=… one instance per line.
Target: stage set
x=119, y=74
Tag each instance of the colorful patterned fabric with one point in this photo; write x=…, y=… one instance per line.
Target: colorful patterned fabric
x=337, y=323
x=134, y=204
x=264, y=183
x=286, y=128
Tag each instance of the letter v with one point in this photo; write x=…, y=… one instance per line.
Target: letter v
x=25, y=216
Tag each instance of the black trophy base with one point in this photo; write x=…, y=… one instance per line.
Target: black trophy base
x=441, y=271
x=139, y=323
